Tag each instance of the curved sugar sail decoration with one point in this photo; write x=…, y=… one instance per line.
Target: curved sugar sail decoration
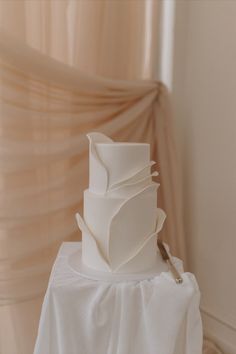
x=95, y=253
x=161, y=216
x=135, y=178
x=141, y=249
x=133, y=183
x=96, y=163
x=122, y=240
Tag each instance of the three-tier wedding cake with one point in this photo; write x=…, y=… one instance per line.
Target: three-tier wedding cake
x=114, y=293
x=121, y=219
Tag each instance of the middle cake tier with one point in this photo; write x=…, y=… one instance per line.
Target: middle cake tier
x=121, y=226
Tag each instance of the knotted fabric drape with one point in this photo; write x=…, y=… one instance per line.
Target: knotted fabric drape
x=46, y=110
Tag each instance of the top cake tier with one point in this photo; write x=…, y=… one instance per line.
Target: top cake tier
x=115, y=167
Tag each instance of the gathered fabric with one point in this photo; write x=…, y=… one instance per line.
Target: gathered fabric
x=118, y=316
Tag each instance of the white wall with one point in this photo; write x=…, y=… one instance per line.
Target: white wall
x=204, y=102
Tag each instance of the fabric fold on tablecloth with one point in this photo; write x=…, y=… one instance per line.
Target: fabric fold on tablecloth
x=151, y=316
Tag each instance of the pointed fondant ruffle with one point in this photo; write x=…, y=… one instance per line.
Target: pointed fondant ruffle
x=161, y=215
x=98, y=163
x=121, y=245
x=99, y=259
x=95, y=254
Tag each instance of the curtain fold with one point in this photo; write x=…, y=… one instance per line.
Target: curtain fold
x=116, y=39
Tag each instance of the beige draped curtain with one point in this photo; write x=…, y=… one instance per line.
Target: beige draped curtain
x=115, y=39
x=66, y=68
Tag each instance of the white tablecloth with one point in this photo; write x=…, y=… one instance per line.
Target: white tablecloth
x=149, y=316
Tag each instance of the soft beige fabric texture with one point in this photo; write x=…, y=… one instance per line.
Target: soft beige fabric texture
x=47, y=106
x=46, y=109
x=116, y=39
x=210, y=347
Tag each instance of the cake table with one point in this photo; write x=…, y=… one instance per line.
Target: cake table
x=118, y=315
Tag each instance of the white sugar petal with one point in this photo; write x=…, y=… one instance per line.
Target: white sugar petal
x=95, y=253
x=96, y=161
x=135, y=177
x=121, y=245
x=161, y=215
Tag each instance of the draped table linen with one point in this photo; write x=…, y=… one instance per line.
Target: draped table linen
x=121, y=316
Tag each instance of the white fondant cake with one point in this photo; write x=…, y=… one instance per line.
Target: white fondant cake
x=121, y=219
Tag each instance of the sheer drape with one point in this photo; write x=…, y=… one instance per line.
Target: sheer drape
x=46, y=107
x=102, y=37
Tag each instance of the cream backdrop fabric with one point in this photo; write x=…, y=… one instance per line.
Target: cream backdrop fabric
x=46, y=110
x=46, y=107
x=116, y=39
